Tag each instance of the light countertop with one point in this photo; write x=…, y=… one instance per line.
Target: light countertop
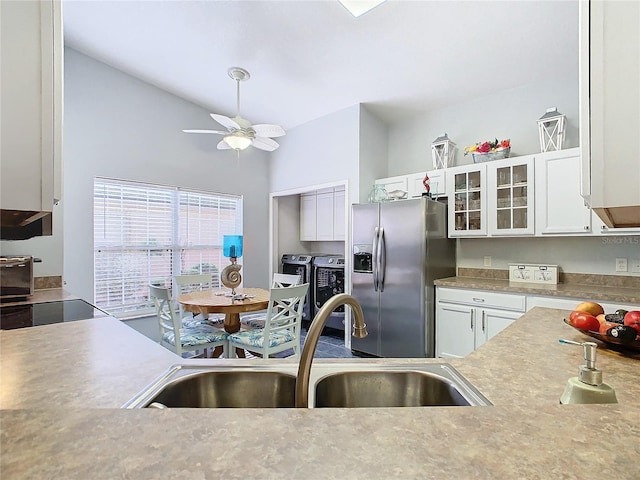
x=44, y=295
x=52, y=426
x=603, y=293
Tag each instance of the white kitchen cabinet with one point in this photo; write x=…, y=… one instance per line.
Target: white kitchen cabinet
x=308, y=209
x=31, y=107
x=609, y=114
x=339, y=214
x=412, y=183
x=495, y=198
x=415, y=187
x=560, y=209
x=467, y=210
x=322, y=215
x=390, y=184
x=455, y=334
x=438, y=182
x=465, y=319
x=510, y=202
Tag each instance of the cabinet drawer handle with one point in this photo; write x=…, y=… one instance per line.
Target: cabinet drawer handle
x=483, y=314
x=478, y=299
x=473, y=314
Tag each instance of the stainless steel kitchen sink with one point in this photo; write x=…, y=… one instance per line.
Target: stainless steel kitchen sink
x=395, y=388
x=197, y=387
x=340, y=385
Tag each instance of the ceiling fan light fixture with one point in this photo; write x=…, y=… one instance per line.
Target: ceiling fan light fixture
x=237, y=142
x=360, y=7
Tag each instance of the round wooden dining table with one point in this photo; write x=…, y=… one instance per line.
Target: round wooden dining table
x=215, y=301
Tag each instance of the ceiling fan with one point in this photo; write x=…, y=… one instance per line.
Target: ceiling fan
x=240, y=133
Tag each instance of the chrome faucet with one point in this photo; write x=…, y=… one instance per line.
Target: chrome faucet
x=311, y=341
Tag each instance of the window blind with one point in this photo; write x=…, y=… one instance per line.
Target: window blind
x=149, y=233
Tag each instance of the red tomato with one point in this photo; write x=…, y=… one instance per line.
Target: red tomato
x=632, y=319
x=584, y=321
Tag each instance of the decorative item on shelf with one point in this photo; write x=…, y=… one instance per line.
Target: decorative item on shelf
x=442, y=152
x=551, y=129
x=378, y=194
x=397, y=194
x=426, y=181
x=492, y=150
x=232, y=249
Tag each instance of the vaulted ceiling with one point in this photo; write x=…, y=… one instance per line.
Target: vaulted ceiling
x=311, y=58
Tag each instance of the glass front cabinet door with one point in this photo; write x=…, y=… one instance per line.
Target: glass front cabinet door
x=467, y=201
x=511, y=200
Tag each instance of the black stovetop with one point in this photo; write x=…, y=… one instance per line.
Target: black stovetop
x=35, y=314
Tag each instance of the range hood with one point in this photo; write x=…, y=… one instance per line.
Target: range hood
x=24, y=224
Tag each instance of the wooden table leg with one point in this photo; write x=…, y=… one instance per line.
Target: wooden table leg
x=232, y=325
x=217, y=352
x=232, y=322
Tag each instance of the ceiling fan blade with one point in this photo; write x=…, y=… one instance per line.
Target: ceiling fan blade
x=264, y=143
x=222, y=145
x=266, y=130
x=205, y=131
x=225, y=121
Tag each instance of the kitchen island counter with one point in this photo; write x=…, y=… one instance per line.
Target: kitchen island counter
x=526, y=434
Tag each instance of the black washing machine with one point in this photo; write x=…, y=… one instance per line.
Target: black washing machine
x=301, y=264
x=328, y=280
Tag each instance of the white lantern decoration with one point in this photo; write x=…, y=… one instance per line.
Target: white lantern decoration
x=442, y=151
x=551, y=127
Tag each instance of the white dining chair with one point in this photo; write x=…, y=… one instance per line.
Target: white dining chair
x=256, y=320
x=192, y=283
x=179, y=338
x=282, y=326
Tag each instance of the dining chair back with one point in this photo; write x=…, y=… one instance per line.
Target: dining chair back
x=194, y=283
x=256, y=320
x=179, y=338
x=285, y=280
x=281, y=330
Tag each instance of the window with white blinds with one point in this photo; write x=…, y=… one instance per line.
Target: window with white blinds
x=147, y=233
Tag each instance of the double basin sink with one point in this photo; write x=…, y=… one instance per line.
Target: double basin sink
x=348, y=385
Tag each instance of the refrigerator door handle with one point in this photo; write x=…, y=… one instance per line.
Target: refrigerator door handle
x=382, y=259
x=374, y=257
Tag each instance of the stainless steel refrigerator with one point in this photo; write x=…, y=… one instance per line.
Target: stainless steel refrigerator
x=399, y=248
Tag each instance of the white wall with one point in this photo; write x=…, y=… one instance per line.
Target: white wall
x=120, y=127
x=374, y=148
x=509, y=114
x=321, y=151
x=572, y=254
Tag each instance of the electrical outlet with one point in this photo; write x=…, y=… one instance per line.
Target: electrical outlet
x=487, y=260
x=621, y=264
x=635, y=265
